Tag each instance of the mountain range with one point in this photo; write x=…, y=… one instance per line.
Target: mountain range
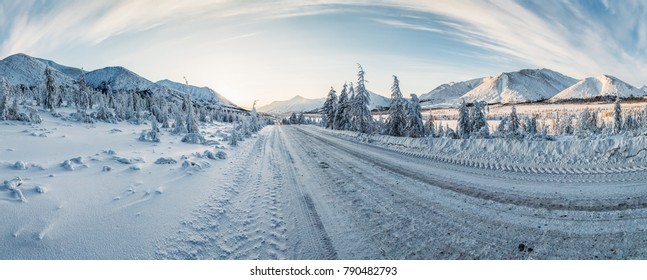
x=26, y=70
x=530, y=85
x=302, y=104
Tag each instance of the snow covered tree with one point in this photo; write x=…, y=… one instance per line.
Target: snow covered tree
x=255, y=124
x=501, y=129
x=50, y=87
x=463, y=126
x=328, y=109
x=151, y=135
x=82, y=99
x=414, y=126
x=34, y=117
x=430, y=130
x=362, y=114
x=193, y=134
x=4, y=100
x=348, y=108
x=397, y=122
x=301, y=118
x=478, y=120
x=103, y=113
x=514, y=121
x=617, y=117
x=343, y=109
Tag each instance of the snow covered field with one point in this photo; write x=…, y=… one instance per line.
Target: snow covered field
x=111, y=200
x=301, y=192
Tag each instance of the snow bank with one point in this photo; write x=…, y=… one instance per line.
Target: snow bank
x=620, y=149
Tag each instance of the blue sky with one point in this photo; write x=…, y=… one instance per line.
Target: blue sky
x=273, y=50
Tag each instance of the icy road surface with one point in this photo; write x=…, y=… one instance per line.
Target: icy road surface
x=297, y=193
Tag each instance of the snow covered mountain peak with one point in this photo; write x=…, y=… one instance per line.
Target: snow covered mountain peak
x=117, y=78
x=202, y=95
x=527, y=85
x=24, y=69
x=601, y=86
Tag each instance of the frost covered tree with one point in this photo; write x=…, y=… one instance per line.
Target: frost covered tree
x=415, y=127
x=363, y=120
x=328, y=109
x=34, y=117
x=49, y=102
x=617, y=117
x=103, y=112
x=193, y=134
x=343, y=108
x=463, y=126
x=430, y=130
x=478, y=120
x=514, y=121
x=82, y=100
x=152, y=135
x=4, y=100
x=397, y=121
x=255, y=124
x=501, y=129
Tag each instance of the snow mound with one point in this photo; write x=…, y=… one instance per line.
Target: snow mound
x=20, y=165
x=165, y=160
x=219, y=155
x=599, y=87
x=67, y=164
x=13, y=183
x=41, y=189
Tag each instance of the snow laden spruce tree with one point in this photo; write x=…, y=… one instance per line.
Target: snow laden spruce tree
x=414, y=127
x=397, y=121
x=193, y=134
x=478, y=120
x=4, y=99
x=362, y=118
x=513, y=124
x=617, y=116
x=328, y=109
x=343, y=109
x=49, y=102
x=463, y=126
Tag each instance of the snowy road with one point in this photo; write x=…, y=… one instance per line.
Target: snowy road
x=298, y=193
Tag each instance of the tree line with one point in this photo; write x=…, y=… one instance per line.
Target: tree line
x=179, y=114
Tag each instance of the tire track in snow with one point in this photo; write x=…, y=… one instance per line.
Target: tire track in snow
x=243, y=220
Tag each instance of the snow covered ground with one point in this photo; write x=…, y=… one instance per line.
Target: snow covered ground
x=301, y=192
x=109, y=200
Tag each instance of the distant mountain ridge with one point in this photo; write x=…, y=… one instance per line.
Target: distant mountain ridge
x=529, y=85
x=599, y=87
x=27, y=70
x=302, y=104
